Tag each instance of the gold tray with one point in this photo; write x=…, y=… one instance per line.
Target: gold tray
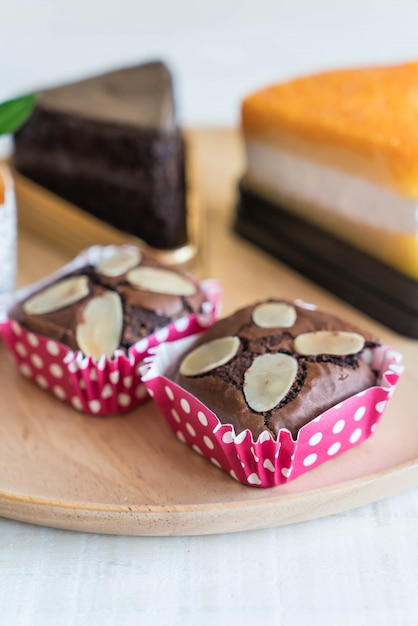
x=52, y=219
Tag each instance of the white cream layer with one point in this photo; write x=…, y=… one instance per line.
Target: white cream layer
x=283, y=175
x=8, y=233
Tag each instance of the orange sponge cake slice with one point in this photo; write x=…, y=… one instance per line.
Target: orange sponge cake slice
x=340, y=149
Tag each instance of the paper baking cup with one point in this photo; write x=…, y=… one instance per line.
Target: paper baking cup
x=268, y=462
x=105, y=387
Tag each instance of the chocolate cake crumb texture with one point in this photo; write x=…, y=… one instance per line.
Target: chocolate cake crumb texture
x=99, y=309
x=111, y=146
x=290, y=365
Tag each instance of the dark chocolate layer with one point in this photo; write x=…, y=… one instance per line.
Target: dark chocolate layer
x=379, y=290
x=110, y=146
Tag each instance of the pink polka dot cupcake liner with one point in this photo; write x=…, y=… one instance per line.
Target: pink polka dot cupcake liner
x=105, y=387
x=268, y=462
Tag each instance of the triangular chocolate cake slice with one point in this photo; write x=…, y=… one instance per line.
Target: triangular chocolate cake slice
x=110, y=145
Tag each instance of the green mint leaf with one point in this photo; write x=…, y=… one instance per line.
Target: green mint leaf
x=13, y=113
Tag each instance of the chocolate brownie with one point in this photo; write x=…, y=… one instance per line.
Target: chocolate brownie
x=111, y=146
x=98, y=309
x=275, y=365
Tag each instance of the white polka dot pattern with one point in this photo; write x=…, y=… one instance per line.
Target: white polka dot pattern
x=315, y=439
x=141, y=391
x=59, y=392
x=338, y=426
x=56, y=370
x=181, y=324
x=254, y=479
x=162, y=335
x=185, y=405
x=21, y=350
x=37, y=361
x=33, y=340
x=334, y=448
x=94, y=406
x=355, y=436
x=114, y=377
x=41, y=380
x=268, y=462
x=112, y=388
x=202, y=418
x=109, y=386
x=76, y=402
x=52, y=348
x=16, y=328
x=190, y=429
x=228, y=437
x=25, y=370
x=359, y=413
x=208, y=442
x=169, y=392
x=107, y=391
x=268, y=465
x=72, y=367
x=124, y=399
x=310, y=459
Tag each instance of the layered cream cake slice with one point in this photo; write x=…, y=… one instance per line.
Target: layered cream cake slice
x=340, y=149
x=7, y=231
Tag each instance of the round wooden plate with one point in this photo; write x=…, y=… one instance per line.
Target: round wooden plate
x=128, y=474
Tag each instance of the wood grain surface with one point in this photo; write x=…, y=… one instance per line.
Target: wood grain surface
x=129, y=475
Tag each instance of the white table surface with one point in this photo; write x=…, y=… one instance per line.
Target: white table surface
x=355, y=568
x=358, y=567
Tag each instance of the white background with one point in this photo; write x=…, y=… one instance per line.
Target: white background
x=358, y=567
x=219, y=49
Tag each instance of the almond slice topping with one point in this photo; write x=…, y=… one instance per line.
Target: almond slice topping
x=121, y=260
x=336, y=342
x=274, y=315
x=100, y=331
x=57, y=296
x=158, y=280
x=269, y=380
x=209, y=356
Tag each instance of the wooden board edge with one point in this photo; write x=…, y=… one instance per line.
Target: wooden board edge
x=209, y=519
x=51, y=218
